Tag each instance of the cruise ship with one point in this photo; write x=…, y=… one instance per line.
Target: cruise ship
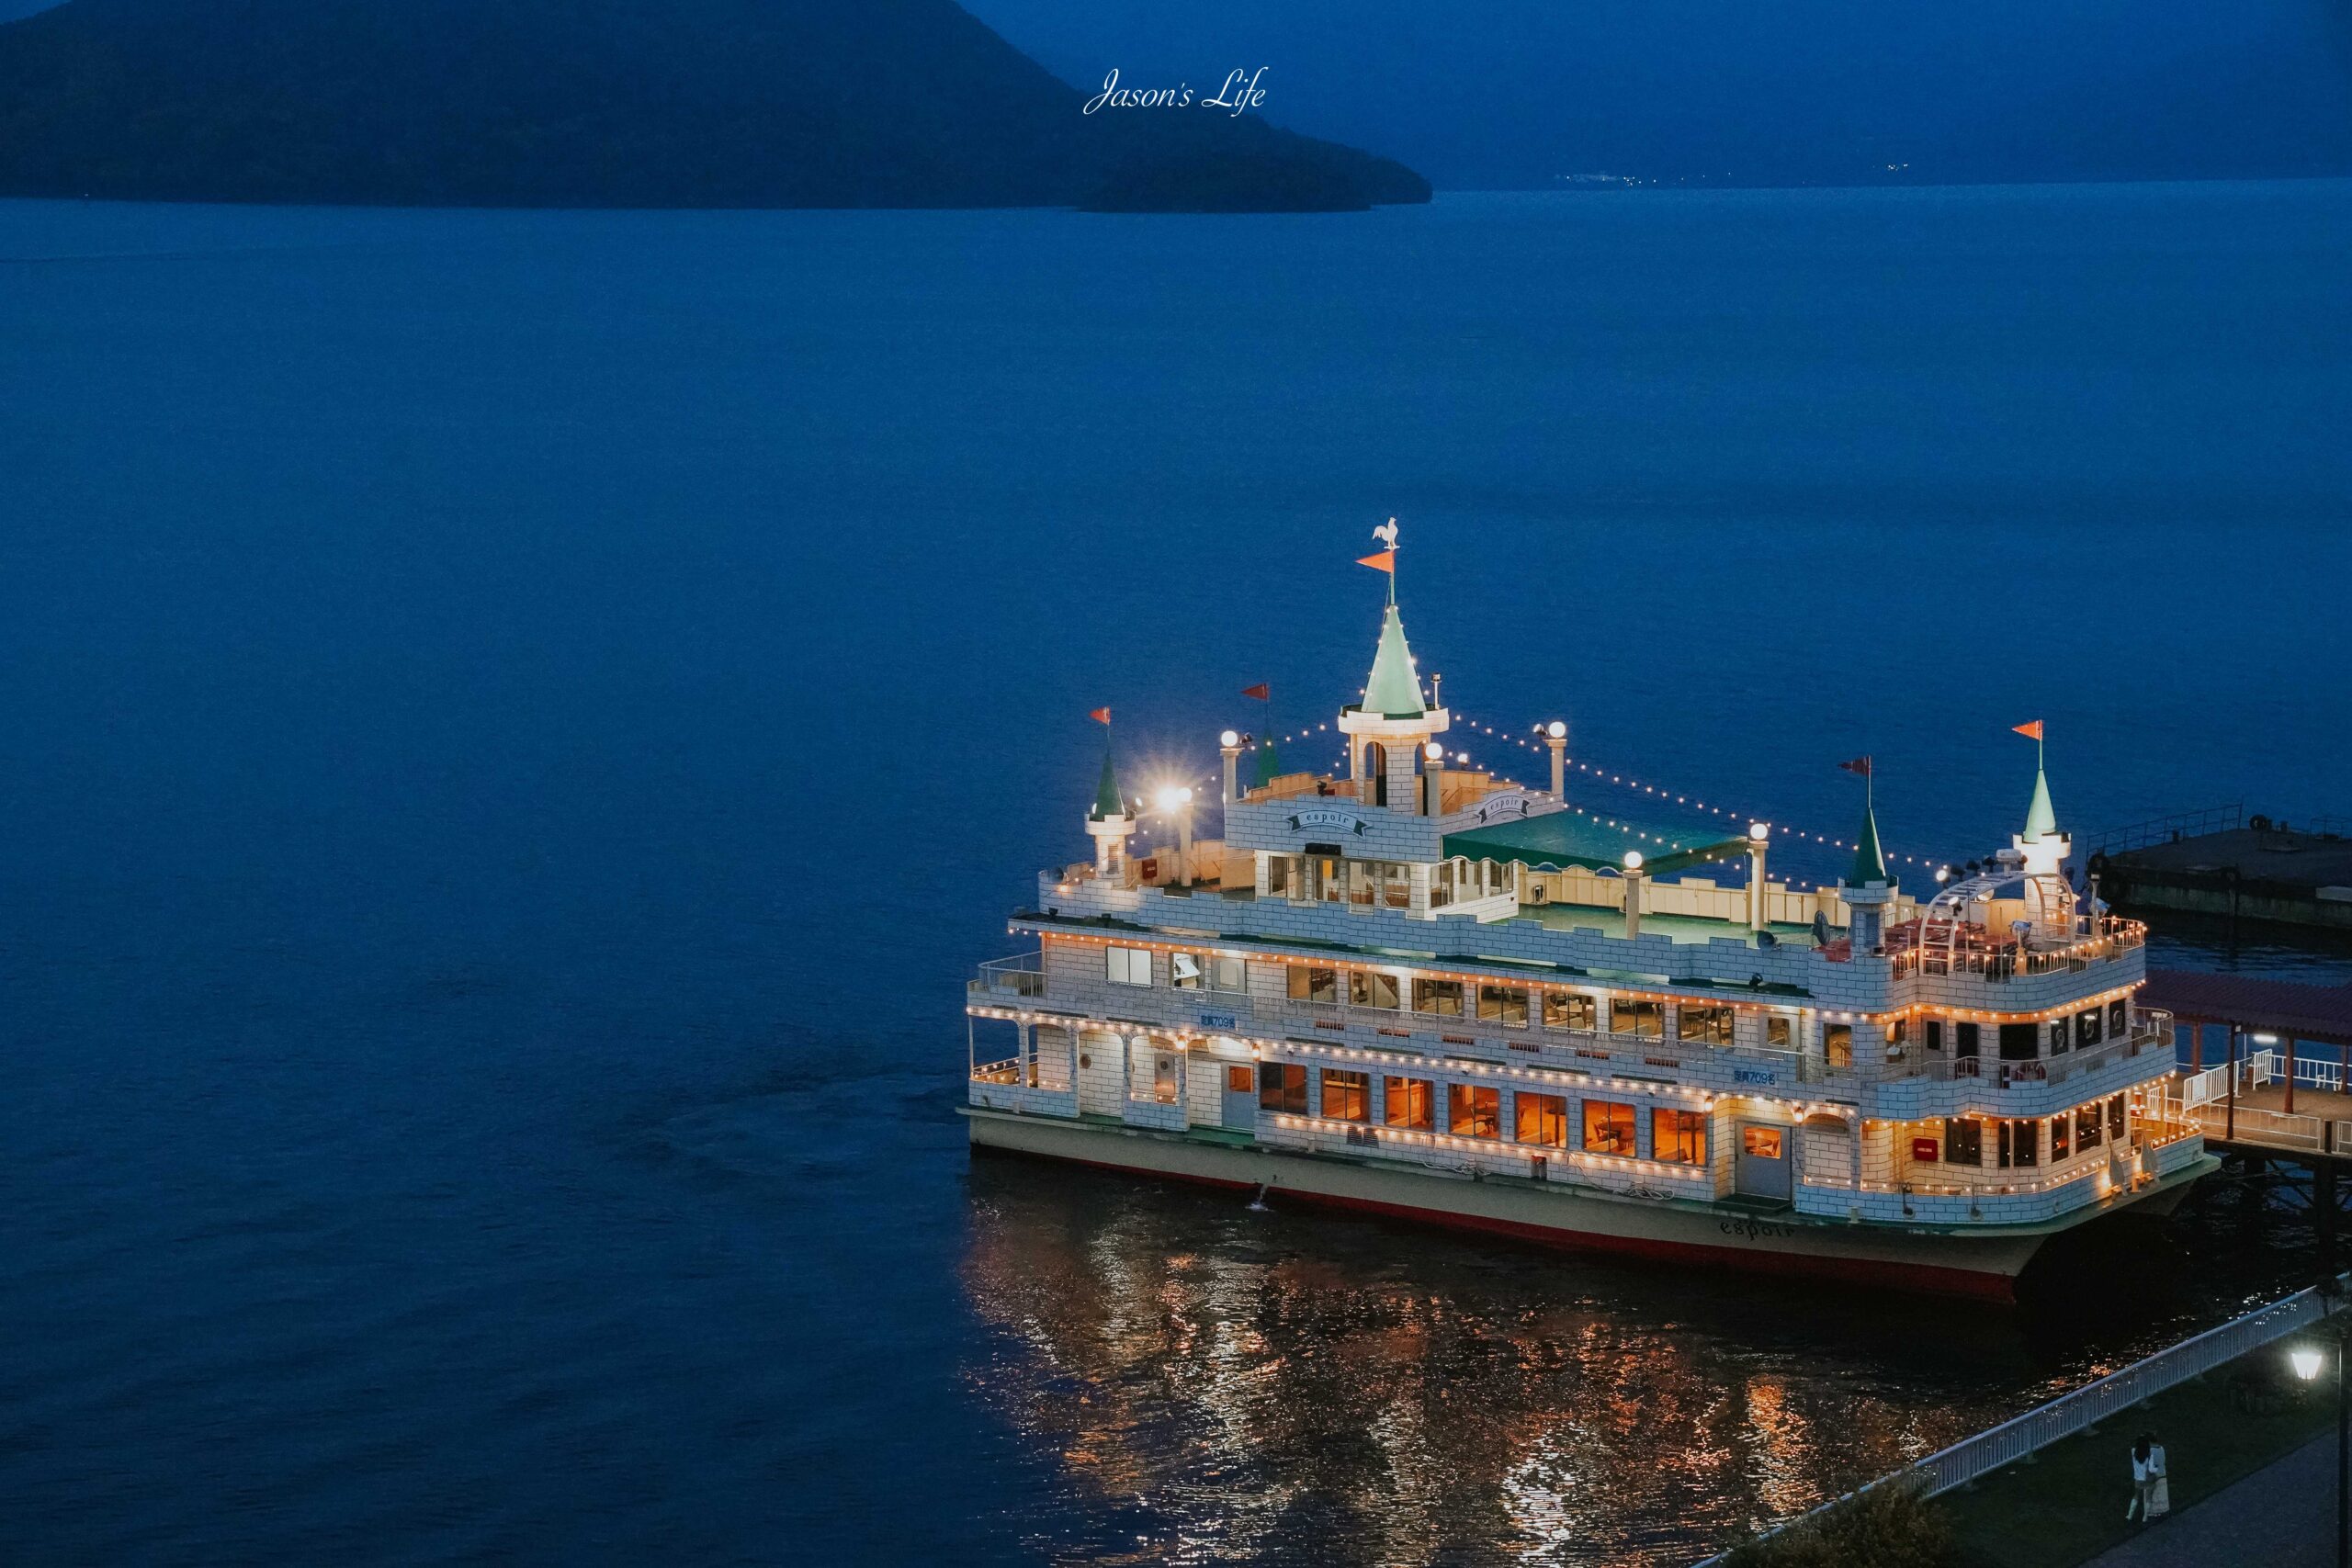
x=1414, y=989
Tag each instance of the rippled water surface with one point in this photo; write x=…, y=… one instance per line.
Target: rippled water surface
x=517, y=726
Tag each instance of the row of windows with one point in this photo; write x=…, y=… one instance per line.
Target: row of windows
x=1515, y=1006
x=1519, y=1006
x=1186, y=971
x=1475, y=1110
x=2025, y=1041
x=2017, y=1142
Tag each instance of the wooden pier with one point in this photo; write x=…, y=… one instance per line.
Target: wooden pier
x=2226, y=864
x=2277, y=1082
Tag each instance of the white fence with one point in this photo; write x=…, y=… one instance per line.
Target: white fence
x=2012, y=1440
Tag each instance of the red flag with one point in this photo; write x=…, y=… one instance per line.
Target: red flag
x=1385, y=561
x=2031, y=732
x=1262, y=691
x=1859, y=766
x=1101, y=715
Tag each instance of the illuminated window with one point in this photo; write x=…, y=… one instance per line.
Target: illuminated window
x=1282, y=1086
x=1607, y=1127
x=2019, y=1144
x=1964, y=1140
x=2062, y=1129
x=1644, y=1021
x=1506, y=1005
x=1837, y=1044
x=2116, y=1121
x=1347, y=1096
x=1474, y=1112
x=1130, y=966
x=1314, y=985
x=1764, y=1142
x=1679, y=1137
x=1777, y=1033
x=1441, y=997
x=1372, y=988
x=1543, y=1118
x=1569, y=1010
x=1706, y=1025
x=2089, y=1127
x=1406, y=1102
x=1241, y=1080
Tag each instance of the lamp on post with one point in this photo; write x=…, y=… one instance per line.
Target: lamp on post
x=2308, y=1359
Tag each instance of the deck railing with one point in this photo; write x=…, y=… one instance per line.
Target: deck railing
x=1020, y=976
x=2012, y=1440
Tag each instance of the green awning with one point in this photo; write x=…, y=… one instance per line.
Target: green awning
x=1559, y=839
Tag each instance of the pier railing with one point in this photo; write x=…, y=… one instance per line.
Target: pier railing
x=2165, y=829
x=1973, y=1458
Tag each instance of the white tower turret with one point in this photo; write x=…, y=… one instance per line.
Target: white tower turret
x=1109, y=824
x=2041, y=853
x=1388, y=730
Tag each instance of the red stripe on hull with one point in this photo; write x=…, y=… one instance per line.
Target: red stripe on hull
x=1924, y=1279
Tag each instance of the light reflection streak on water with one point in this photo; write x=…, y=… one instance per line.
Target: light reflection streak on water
x=1214, y=1384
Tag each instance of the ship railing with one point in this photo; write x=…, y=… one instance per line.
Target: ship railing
x=1006, y=1071
x=1020, y=976
x=2110, y=1399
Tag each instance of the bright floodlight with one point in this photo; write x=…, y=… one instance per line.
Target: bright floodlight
x=1557, y=730
x=2305, y=1359
x=1632, y=859
x=1230, y=738
x=1169, y=797
x=1943, y=874
x=2266, y=1040
x=1759, y=830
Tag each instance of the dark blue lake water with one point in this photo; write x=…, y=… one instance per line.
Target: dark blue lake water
x=516, y=727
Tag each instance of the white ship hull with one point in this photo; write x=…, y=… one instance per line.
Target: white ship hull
x=1981, y=1262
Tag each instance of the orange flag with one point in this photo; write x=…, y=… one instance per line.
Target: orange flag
x=1101, y=715
x=1385, y=561
x=2031, y=732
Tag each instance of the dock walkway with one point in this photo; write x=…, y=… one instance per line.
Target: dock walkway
x=2283, y=1516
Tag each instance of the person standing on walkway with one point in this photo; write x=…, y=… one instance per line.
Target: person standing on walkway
x=2151, y=1496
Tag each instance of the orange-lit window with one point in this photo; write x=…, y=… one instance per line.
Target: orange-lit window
x=1679, y=1137
x=1282, y=1086
x=1347, y=1096
x=1706, y=1025
x=1241, y=1080
x=1406, y=1102
x=1607, y=1127
x=1644, y=1020
x=1542, y=1119
x=1474, y=1112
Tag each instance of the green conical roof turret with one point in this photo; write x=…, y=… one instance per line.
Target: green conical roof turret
x=1869, y=860
x=1395, y=688
x=1107, y=803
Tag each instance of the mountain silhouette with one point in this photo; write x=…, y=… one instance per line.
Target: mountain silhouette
x=612, y=103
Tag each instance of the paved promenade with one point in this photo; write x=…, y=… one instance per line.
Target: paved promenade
x=2282, y=1515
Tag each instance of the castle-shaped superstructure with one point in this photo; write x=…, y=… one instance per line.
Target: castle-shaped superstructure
x=1413, y=988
